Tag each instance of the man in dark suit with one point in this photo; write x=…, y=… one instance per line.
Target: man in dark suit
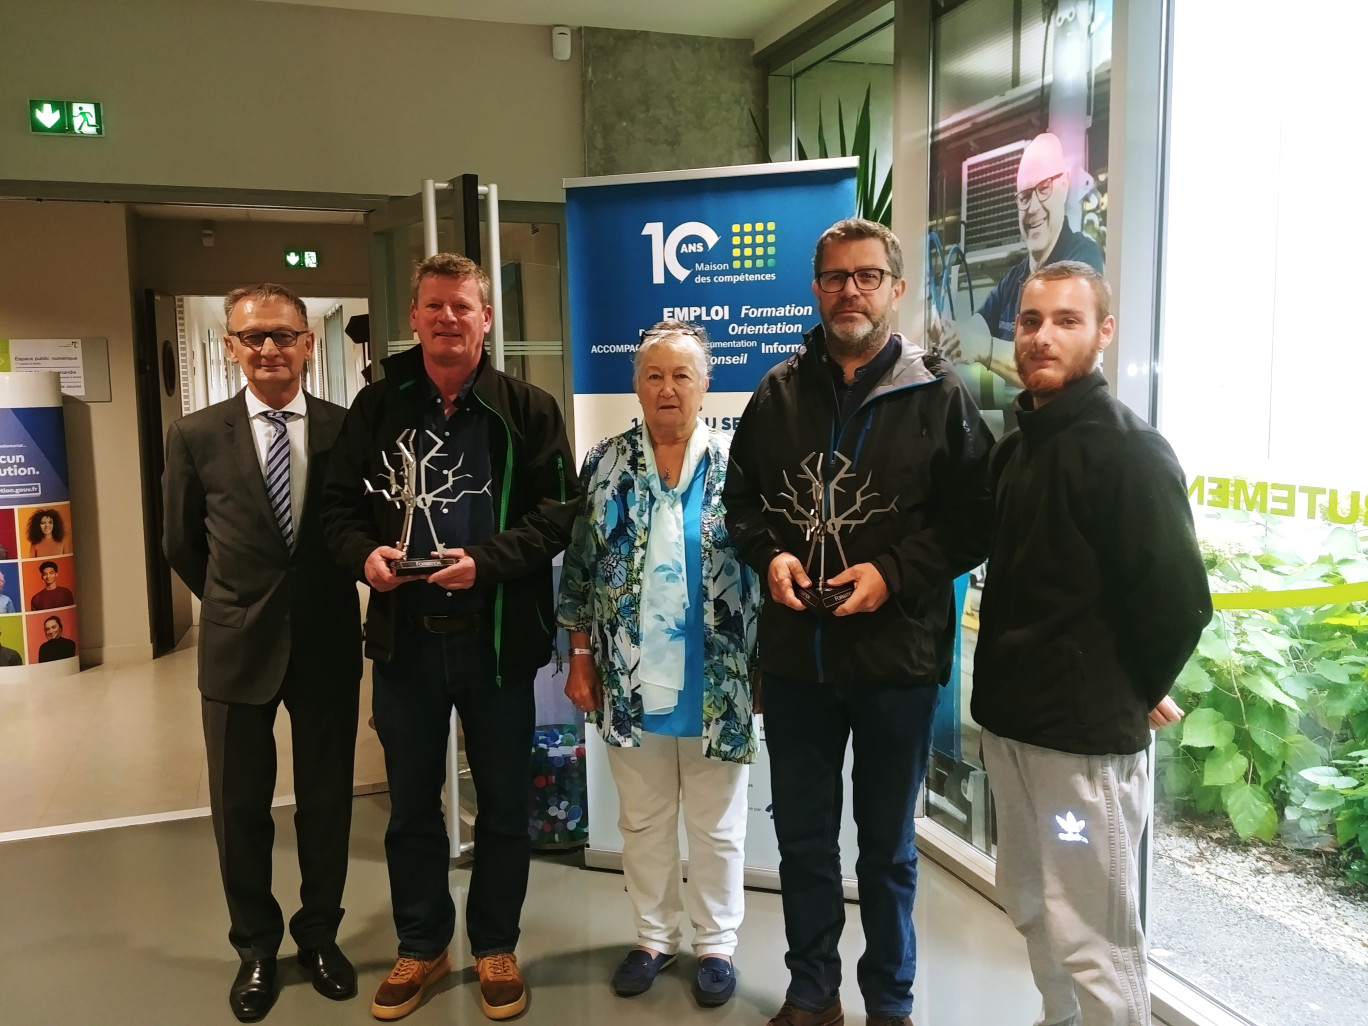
x=279, y=622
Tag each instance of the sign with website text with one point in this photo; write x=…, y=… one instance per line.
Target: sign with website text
x=66, y=117
x=727, y=248
x=63, y=355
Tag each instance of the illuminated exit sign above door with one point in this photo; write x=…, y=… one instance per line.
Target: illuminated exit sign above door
x=66, y=117
x=301, y=258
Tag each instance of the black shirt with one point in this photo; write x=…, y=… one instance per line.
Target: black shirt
x=464, y=440
x=849, y=397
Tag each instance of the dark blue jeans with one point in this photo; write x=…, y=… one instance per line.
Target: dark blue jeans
x=413, y=697
x=806, y=728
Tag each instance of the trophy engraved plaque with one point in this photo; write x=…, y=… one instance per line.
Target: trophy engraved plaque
x=407, y=488
x=812, y=506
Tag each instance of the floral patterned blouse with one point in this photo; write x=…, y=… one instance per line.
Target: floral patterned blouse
x=600, y=595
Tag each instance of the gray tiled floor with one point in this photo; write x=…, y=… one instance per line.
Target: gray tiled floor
x=128, y=926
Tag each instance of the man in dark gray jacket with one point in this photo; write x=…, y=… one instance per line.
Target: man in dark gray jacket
x=881, y=438
x=1095, y=597
x=279, y=622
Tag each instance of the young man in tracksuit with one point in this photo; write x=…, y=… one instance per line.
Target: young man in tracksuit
x=880, y=439
x=1095, y=597
x=471, y=635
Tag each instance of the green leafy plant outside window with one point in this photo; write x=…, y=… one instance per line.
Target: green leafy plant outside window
x=1276, y=731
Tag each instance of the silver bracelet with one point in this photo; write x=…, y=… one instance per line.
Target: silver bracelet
x=581, y=651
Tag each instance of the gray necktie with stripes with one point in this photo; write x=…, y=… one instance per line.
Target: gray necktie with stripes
x=278, y=473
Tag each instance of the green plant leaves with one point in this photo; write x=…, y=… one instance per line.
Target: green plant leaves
x=1178, y=777
x=1267, y=690
x=1268, y=725
x=1250, y=810
x=1213, y=647
x=1206, y=728
x=1328, y=776
x=1193, y=678
x=1323, y=801
x=873, y=196
x=1225, y=765
x=1332, y=671
x=1300, y=753
x=1346, y=699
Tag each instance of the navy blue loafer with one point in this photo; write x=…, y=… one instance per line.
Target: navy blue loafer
x=638, y=971
x=715, y=982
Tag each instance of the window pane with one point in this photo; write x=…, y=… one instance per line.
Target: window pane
x=1261, y=817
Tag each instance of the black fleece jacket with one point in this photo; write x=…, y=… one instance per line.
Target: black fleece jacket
x=534, y=490
x=1096, y=592
x=916, y=439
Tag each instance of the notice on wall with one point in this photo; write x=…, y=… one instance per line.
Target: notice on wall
x=62, y=355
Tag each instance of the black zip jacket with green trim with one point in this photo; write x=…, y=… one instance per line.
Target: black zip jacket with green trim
x=917, y=438
x=1096, y=591
x=535, y=497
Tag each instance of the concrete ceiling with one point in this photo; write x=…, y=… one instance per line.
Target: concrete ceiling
x=735, y=19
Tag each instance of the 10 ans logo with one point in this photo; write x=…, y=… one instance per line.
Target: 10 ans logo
x=665, y=249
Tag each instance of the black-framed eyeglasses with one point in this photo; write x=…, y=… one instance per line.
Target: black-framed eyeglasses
x=867, y=279
x=284, y=338
x=1041, y=189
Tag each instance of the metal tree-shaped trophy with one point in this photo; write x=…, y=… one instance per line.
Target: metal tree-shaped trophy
x=407, y=488
x=816, y=515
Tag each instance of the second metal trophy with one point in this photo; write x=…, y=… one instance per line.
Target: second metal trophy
x=811, y=507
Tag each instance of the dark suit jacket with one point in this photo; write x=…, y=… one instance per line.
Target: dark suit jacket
x=263, y=606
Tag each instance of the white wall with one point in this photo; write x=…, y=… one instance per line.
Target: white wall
x=236, y=94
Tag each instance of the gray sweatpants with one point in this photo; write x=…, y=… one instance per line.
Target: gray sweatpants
x=1068, y=873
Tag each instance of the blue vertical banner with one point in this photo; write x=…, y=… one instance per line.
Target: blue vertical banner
x=38, y=624
x=728, y=248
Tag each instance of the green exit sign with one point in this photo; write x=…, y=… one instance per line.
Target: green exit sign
x=301, y=258
x=66, y=117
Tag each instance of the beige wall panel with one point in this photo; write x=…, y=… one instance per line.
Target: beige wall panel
x=64, y=274
x=235, y=94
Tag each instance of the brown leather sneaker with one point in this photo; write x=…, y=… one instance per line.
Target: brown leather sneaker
x=502, y=991
x=408, y=981
x=791, y=1015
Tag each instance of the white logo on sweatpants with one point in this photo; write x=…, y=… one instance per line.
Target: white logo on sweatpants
x=1072, y=827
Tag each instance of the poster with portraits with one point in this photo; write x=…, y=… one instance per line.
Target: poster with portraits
x=39, y=631
x=1018, y=172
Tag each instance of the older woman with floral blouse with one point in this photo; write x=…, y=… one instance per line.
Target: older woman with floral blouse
x=661, y=613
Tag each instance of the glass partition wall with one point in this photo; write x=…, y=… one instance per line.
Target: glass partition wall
x=1257, y=898
x=1261, y=818
x=836, y=100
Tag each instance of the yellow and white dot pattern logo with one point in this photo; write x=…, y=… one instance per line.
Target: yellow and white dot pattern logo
x=752, y=244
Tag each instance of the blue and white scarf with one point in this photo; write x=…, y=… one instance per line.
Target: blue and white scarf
x=659, y=675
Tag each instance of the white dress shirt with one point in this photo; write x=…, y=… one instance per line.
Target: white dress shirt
x=297, y=429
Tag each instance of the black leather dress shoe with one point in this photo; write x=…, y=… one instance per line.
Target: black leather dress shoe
x=332, y=975
x=254, y=990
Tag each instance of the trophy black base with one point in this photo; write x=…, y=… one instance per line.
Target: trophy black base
x=419, y=567
x=823, y=598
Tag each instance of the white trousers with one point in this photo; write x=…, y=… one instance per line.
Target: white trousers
x=653, y=783
x=1068, y=873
